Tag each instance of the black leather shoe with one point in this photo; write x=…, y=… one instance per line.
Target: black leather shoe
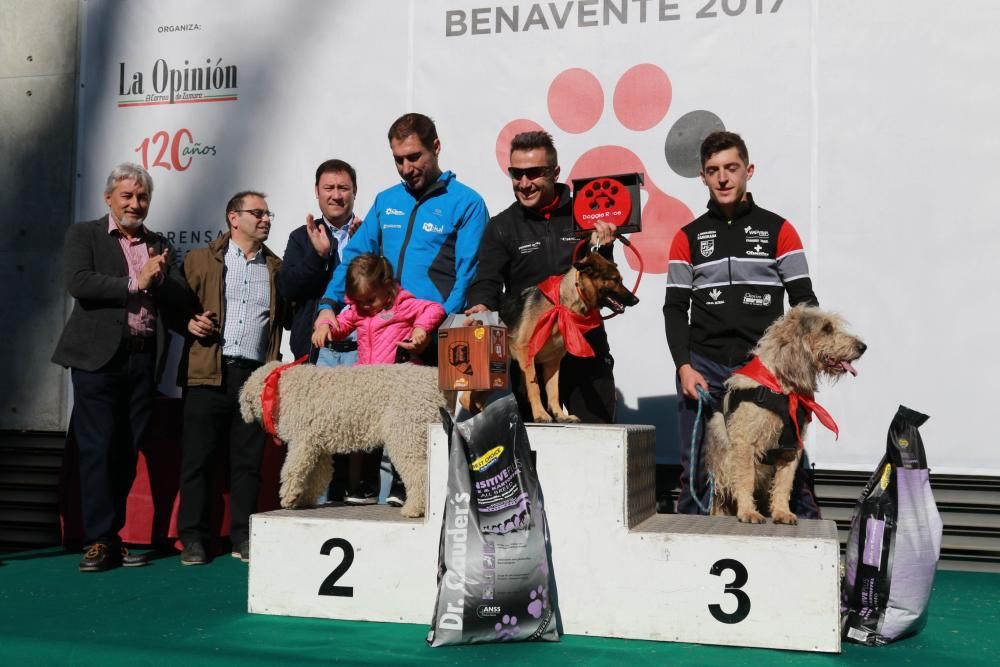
x=99, y=558
x=132, y=559
x=194, y=554
x=242, y=551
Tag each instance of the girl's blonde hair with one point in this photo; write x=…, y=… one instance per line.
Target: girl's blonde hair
x=369, y=272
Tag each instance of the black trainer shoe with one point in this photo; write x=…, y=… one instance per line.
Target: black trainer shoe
x=132, y=559
x=194, y=554
x=397, y=494
x=363, y=494
x=242, y=551
x=99, y=558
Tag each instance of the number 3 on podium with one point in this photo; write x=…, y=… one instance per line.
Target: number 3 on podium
x=732, y=588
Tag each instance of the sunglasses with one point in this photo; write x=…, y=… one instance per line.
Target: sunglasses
x=258, y=213
x=532, y=173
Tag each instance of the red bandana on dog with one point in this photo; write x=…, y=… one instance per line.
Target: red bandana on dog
x=571, y=325
x=269, y=396
x=756, y=370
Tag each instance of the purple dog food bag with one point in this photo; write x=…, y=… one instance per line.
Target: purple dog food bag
x=495, y=580
x=499, y=487
x=894, y=543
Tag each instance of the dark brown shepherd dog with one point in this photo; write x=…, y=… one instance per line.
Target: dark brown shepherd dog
x=591, y=284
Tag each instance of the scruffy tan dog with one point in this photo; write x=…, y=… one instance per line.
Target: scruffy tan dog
x=794, y=352
x=324, y=411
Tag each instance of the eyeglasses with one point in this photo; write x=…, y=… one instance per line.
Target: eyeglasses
x=516, y=173
x=258, y=213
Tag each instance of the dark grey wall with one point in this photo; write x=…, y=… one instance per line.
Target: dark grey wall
x=38, y=79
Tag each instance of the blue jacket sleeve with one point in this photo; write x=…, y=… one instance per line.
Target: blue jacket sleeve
x=364, y=240
x=470, y=232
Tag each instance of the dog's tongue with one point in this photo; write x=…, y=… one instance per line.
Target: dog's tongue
x=846, y=365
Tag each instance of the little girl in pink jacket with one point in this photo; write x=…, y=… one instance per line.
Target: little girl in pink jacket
x=386, y=316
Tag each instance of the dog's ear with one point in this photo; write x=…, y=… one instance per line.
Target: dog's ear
x=814, y=321
x=583, y=266
x=786, y=345
x=593, y=262
x=802, y=318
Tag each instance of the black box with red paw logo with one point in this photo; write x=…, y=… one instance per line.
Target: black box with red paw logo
x=613, y=199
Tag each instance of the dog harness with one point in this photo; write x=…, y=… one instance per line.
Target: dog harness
x=571, y=325
x=793, y=408
x=269, y=396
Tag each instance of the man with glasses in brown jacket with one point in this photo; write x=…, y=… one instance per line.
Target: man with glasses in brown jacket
x=235, y=329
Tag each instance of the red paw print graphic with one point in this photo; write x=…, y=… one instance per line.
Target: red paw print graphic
x=641, y=101
x=602, y=198
x=601, y=195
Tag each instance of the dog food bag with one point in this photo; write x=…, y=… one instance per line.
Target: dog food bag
x=499, y=487
x=495, y=580
x=894, y=543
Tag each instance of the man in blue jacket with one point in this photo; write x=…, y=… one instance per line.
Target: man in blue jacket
x=428, y=226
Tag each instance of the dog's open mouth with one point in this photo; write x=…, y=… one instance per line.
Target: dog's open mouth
x=618, y=303
x=838, y=366
x=610, y=302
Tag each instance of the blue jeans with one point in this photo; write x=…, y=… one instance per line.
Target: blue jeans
x=330, y=358
x=687, y=410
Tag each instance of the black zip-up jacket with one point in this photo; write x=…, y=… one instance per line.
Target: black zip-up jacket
x=520, y=248
x=302, y=280
x=733, y=274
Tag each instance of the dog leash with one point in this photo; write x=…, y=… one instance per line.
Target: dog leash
x=706, y=508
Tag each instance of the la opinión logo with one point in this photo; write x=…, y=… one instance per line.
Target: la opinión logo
x=184, y=85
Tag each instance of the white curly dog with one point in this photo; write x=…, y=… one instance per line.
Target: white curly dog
x=324, y=411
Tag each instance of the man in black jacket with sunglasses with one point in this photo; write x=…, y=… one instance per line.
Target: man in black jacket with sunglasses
x=532, y=239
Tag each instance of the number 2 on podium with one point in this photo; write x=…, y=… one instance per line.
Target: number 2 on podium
x=329, y=587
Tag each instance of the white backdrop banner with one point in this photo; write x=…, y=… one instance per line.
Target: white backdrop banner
x=852, y=113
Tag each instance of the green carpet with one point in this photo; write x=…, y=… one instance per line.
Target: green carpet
x=166, y=614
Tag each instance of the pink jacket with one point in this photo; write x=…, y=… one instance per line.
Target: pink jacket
x=378, y=334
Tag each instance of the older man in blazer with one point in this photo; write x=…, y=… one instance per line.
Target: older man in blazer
x=122, y=275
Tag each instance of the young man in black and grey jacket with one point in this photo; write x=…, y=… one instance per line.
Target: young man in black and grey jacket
x=730, y=268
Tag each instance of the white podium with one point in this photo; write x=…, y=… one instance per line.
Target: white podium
x=621, y=570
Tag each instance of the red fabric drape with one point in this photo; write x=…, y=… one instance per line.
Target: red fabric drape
x=757, y=371
x=571, y=325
